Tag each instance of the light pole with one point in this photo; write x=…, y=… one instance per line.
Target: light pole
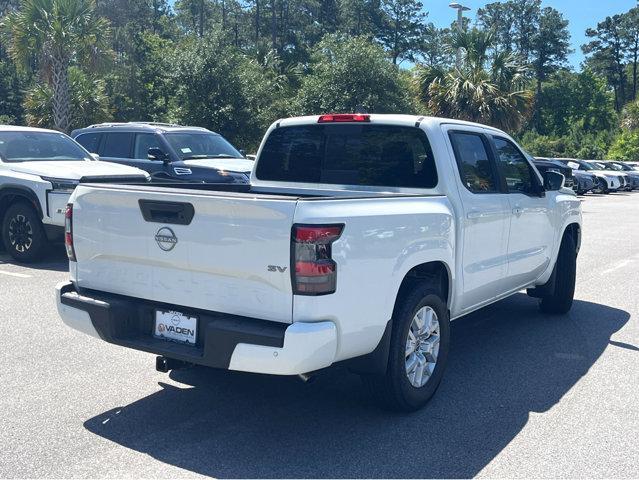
x=460, y=26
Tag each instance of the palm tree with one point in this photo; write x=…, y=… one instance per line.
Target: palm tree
x=486, y=88
x=53, y=34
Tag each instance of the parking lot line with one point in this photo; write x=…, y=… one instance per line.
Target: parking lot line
x=14, y=274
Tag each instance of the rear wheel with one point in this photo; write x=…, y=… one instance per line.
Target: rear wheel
x=418, y=351
x=23, y=234
x=559, y=301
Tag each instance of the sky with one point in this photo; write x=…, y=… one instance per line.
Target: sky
x=581, y=14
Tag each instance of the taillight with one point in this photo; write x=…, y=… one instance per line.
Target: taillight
x=313, y=271
x=344, y=117
x=68, y=232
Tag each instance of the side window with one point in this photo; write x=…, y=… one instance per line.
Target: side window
x=90, y=141
x=474, y=163
x=144, y=141
x=514, y=167
x=117, y=145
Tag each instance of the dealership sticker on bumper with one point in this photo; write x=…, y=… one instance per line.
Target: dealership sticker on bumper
x=175, y=326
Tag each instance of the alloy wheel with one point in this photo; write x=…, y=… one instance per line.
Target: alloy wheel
x=422, y=346
x=20, y=233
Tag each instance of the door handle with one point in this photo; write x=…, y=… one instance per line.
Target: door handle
x=475, y=214
x=175, y=213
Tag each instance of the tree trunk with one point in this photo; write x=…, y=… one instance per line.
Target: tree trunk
x=61, y=100
x=223, y=15
x=201, y=32
x=635, y=53
x=257, y=22
x=273, y=26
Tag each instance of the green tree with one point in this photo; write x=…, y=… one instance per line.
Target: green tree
x=220, y=88
x=487, y=89
x=630, y=33
x=139, y=86
x=402, y=28
x=350, y=74
x=580, y=100
x=12, y=84
x=607, y=51
x=498, y=17
x=88, y=99
x=53, y=34
x=549, y=48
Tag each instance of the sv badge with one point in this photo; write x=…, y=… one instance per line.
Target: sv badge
x=276, y=268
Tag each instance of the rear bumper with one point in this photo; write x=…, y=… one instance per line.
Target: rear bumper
x=224, y=341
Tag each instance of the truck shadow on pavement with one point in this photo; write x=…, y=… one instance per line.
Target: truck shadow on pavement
x=506, y=361
x=54, y=260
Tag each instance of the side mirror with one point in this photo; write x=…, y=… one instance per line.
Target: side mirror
x=95, y=157
x=553, y=181
x=157, y=154
x=243, y=153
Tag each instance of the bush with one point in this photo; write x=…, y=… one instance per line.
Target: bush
x=350, y=74
x=221, y=89
x=625, y=147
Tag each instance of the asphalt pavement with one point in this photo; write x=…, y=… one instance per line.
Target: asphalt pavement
x=525, y=395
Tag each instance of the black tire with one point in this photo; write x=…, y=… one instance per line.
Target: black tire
x=394, y=390
x=23, y=234
x=560, y=300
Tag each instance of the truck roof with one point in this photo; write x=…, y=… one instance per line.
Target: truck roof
x=396, y=119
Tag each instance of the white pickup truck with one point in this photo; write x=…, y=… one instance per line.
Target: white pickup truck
x=38, y=171
x=359, y=238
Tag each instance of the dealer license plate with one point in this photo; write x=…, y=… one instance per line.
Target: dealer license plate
x=175, y=326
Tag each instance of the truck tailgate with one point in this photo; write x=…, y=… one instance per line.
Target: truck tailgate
x=225, y=259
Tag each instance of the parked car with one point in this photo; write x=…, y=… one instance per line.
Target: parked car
x=546, y=164
x=633, y=175
x=359, y=238
x=170, y=153
x=38, y=171
x=583, y=182
x=626, y=183
x=608, y=182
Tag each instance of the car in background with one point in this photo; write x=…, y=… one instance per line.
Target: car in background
x=607, y=182
x=39, y=169
x=633, y=174
x=547, y=164
x=626, y=182
x=582, y=181
x=170, y=153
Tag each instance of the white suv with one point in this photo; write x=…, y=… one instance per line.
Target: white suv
x=39, y=169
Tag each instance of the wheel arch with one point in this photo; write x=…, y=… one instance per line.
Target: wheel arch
x=437, y=271
x=573, y=229
x=10, y=194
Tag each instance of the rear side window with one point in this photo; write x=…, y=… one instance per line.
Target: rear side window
x=90, y=141
x=117, y=145
x=367, y=155
x=475, y=167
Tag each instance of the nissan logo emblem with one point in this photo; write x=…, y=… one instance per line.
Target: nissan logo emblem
x=166, y=239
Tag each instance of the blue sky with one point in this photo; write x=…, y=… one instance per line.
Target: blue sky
x=581, y=14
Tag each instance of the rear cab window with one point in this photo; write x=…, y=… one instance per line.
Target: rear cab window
x=476, y=168
x=373, y=155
